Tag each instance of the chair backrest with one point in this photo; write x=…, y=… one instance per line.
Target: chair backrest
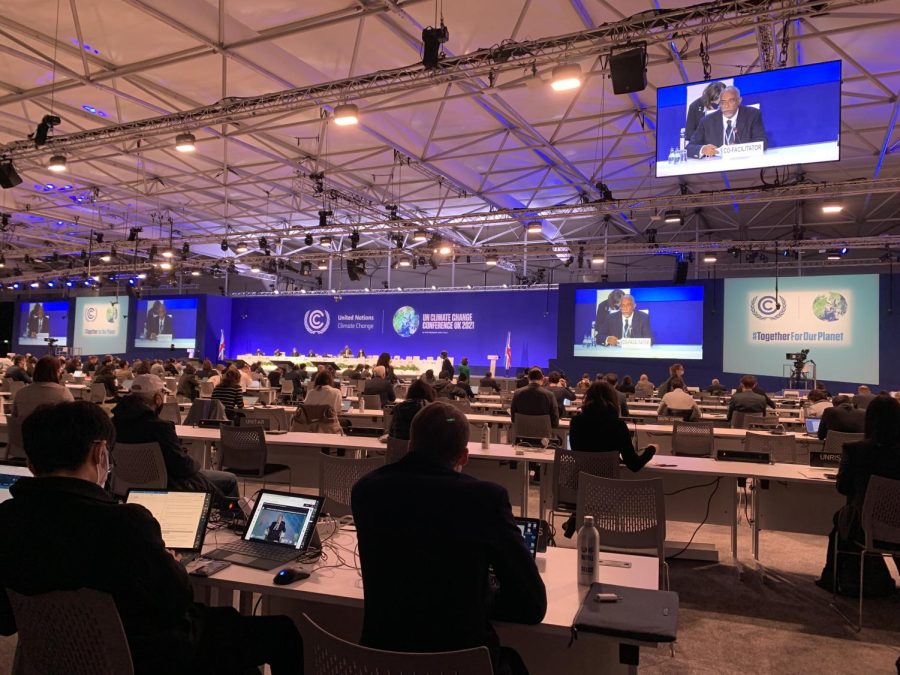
x=171, y=412
x=834, y=440
x=98, y=392
x=400, y=390
x=396, y=449
x=206, y=389
x=137, y=465
x=881, y=512
x=74, y=632
x=781, y=448
x=327, y=654
x=531, y=427
x=693, y=439
x=15, y=447
x=373, y=401
x=287, y=386
x=205, y=409
x=337, y=476
x=567, y=464
x=243, y=448
x=741, y=420
x=460, y=404
x=629, y=514
x=14, y=387
x=315, y=418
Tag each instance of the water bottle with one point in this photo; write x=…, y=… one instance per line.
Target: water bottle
x=671, y=156
x=485, y=437
x=682, y=143
x=362, y=403
x=588, y=552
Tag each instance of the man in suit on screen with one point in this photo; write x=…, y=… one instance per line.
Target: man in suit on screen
x=732, y=124
x=38, y=321
x=158, y=321
x=626, y=323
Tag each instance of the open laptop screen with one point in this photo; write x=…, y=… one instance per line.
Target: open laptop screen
x=8, y=476
x=182, y=516
x=812, y=425
x=284, y=518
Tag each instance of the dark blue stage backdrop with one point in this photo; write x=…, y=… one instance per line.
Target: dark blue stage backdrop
x=472, y=324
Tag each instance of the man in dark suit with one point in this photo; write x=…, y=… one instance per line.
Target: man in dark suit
x=747, y=400
x=462, y=527
x=158, y=322
x=560, y=391
x=489, y=381
x=118, y=549
x=732, y=124
x=626, y=323
x=381, y=386
x=38, y=322
x=842, y=416
x=534, y=399
x=863, y=398
x=17, y=372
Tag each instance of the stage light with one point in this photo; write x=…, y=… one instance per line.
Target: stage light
x=135, y=231
x=185, y=142
x=16, y=286
x=734, y=252
x=165, y=265
x=566, y=76
x=598, y=259
x=106, y=257
x=35, y=284
x=404, y=262
x=57, y=163
x=255, y=269
x=844, y=250
x=323, y=217
x=432, y=39
x=168, y=253
x=223, y=245
x=263, y=243
x=710, y=258
x=70, y=283
x=308, y=240
x=322, y=265
x=834, y=255
x=445, y=249
x=241, y=247
x=346, y=114
x=420, y=235
x=673, y=216
x=43, y=129
x=195, y=273
x=491, y=260
x=325, y=241
x=142, y=275
x=832, y=207
x=354, y=239
x=534, y=227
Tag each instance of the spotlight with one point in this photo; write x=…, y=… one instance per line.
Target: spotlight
x=605, y=192
x=263, y=242
x=105, y=257
x=354, y=239
x=323, y=217
x=651, y=233
x=223, y=245
x=185, y=142
x=404, y=262
x=491, y=260
x=322, y=265
x=325, y=241
x=835, y=254
x=734, y=252
x=57, y=163
x=9, y=177
x=35, y=284
x=832, y=207
x=710, y=259
x=135, y=231
x=566, y=76
x=99, y=237
x=165, y=265
x=598, y=259
x=185, y=249
x=673, y=216
x=445, y=249
x=43, y=128
x=432, y=39
x=534, y=227
x=255, y=269
x=346, y=114
x=168, y=253
x=420, y=235
x=308, y=240
x=241, y=247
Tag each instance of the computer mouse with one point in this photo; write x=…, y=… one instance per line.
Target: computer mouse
x=288, y=576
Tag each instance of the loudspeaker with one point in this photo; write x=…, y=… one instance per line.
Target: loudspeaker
x=681, y=271
x=8, y=176
x=628, y=70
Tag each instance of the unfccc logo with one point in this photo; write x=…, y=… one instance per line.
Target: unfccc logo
x=90, y=313
x=768, y=306
x=316, y=321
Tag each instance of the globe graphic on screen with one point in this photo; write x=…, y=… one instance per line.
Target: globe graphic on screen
x=406, y=321
x=111, y=314
x=829, y=306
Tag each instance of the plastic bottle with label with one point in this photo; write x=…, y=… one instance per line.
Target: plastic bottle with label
x=588, y=552
x=485, y=437
x=362, y=402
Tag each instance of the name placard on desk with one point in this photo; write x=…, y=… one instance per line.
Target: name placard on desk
x=826, y=459
x=742, y=150
x=635, y=343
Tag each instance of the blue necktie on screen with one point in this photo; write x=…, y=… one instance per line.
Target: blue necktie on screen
x=729, y=138
x=627, y=331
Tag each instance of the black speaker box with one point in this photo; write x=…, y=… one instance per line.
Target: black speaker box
x=8, y=176
x=681, y=271
x=628, y=69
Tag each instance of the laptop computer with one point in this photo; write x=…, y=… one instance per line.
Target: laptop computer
x=281, y=528
x=531, y=530
x=345, y=405
x=812, y=426
x=250, y=401
x=8, y=476
x=182, y=517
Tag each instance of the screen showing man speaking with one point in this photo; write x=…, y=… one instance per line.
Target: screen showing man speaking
x=40, y=321
x=166, y=322
x=834, y=317
x=639, y=323
x=101, y=324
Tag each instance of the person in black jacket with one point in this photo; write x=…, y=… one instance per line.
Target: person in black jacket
x=419, y=395
x=489, y=381
x=136, y=419
x=462, y=527
x=16, y=371
x=560, y=391
x=446, y=366
x=381, y=386
x=534, y=399
x=118, y=549
x=877, y=455
x=842, y=416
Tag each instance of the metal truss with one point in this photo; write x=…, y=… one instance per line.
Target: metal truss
x=651, y=27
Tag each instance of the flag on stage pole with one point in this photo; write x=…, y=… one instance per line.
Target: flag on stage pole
x=221, y=344
x=508, y=350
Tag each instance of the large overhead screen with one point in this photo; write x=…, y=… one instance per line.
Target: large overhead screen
x=40, y=322
x=639, y=323
x=834, y=317
x=166, y=322
x=784, y=116
x=101, y=324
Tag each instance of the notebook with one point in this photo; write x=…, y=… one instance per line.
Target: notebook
x=281, y=528
x=8, y=476
x=182, y=516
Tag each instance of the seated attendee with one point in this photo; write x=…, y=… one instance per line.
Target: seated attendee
x=746, y=400
x=715, y=388
x=419, y=395
x=820, y=385
x=188, y=383
x=16, y=372
x=612, y=380
x=678, y=402
x=522, y=379
x=462, y=383
x=45, y=389
x=323, y=392
x=626, y=386
x=302, y=375
x=444, y=387
x=583, y=384
x=428, y=376
x=818, y=403
x=92, y=364
x=381, y=386
x=244, y=373
x=534, y=399
x=123, y=371
x=561, y=393
x=762, y=392
x=842, y=416
x=157, y=368
x=118, y=549
x=675, y=370
x=877, y=455
x=644, y=387
x=228, y=392
x=171, y=368
x=206, y=369
x=424, y=497
x=106, y=375
x=216, y=377
x=142, y=368
x=489, y=382
x=136, y=418
x=355, y=373
x=274, y=377
x=863, y=397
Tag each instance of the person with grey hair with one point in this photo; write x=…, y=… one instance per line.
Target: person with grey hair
x=626, y=323
x=136, y=419
x=731, y=124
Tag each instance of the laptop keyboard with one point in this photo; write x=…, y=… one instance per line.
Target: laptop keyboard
x=261, y=549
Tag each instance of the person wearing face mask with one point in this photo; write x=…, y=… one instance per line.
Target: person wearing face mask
x=136, y=419
x=70, y=533
x=441, y=603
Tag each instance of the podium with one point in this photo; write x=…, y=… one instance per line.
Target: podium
x=492, y=359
